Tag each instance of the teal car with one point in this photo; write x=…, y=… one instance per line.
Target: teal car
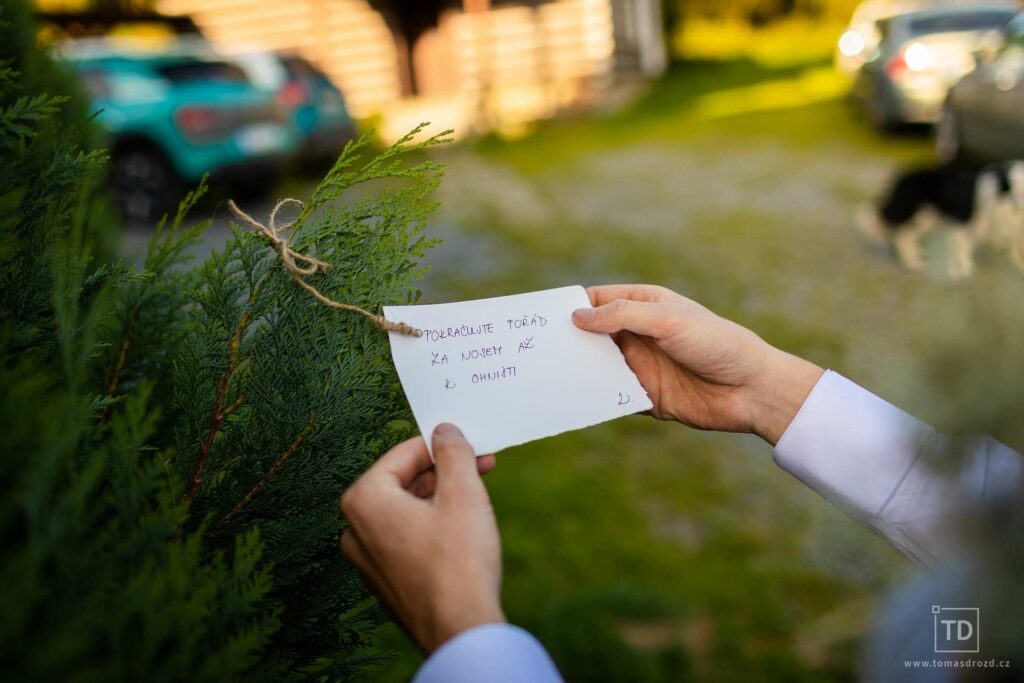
x=315, y=105
x=173, y=118
x=318, y=109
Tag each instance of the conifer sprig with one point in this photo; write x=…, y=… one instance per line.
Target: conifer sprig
x=118, y=563
x=283, y=401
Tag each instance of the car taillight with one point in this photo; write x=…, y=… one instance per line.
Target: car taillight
x=916, y=57
x=896, y=66
x=293, y=94
x=197, y=122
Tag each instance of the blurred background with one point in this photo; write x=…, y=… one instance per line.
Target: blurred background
x=720, y=148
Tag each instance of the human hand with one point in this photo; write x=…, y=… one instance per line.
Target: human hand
x=698, y=368
x=425, y=539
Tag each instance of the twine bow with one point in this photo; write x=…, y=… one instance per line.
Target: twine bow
x=300, y=266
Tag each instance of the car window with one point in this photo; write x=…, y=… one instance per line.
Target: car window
x=132, y=88
x=190, y=71
x=298, y=68
x=263, y=70
x=960, y=21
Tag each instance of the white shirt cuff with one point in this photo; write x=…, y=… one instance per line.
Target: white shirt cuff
x=861, y=453
x=871, y=459
x=492, y=653
x=851, y=446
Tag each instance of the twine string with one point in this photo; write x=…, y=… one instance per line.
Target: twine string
x=300, y=266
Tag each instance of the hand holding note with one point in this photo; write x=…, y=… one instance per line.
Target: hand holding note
x=424, y=537
x=517, y=368
x=511, y=369
x=514, y=369
x=699, y=368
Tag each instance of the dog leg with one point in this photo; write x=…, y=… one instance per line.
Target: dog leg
x=871, y=226
x=986, y=208
x=962, y=248
x=908, y=245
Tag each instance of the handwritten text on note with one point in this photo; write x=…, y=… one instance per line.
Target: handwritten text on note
x=512, y=369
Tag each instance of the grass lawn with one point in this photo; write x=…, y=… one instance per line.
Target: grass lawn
x=643, y=551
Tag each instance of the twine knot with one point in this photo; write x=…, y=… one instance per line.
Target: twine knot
x=300, y=266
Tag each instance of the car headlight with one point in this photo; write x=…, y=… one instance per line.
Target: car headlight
x=918, y=57
x=851, y=44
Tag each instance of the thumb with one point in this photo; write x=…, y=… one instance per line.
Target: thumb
x=454, y=462
x=638, y=317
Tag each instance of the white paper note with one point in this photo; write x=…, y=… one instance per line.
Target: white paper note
x=511, y=369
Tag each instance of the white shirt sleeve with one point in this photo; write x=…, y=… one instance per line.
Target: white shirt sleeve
x=493, y=653
x=874, y=461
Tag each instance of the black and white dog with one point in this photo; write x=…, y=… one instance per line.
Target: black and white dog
x=976, y=205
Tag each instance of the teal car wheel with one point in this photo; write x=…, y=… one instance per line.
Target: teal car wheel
x=144, y=185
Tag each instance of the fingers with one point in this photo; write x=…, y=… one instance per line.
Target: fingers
x=633, y=348
x=454, y=461
x=647, y=319
x=381, y=493
x=424, y=485
x=605, y=294
x=426, y=482
x=404, y=462
x=485, y=464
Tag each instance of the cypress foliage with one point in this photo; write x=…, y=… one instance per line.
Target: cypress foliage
x=174, y=439
x=283, y=402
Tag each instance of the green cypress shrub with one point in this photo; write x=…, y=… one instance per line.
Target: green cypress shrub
x=175, y=438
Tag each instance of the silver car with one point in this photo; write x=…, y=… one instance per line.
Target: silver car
x=984, y=115
x=920, y=56
x=859, y=41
